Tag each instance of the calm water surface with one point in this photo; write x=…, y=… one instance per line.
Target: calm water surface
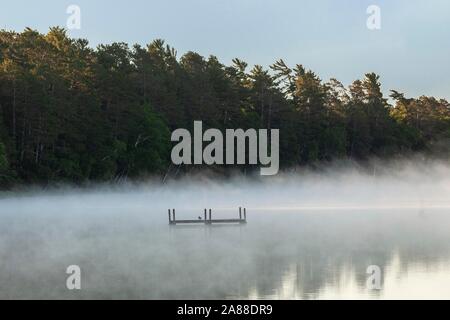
x=127, y=250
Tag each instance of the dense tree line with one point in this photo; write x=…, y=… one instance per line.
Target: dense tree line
x=72, y=113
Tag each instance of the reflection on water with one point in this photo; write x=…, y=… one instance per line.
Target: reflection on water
x=130, y=252
x=417, y=282
x=327, y=254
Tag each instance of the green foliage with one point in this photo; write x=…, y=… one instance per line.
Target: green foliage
x=148, y=143
x=69, y=112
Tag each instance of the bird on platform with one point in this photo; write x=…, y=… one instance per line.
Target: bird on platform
x=199, y=218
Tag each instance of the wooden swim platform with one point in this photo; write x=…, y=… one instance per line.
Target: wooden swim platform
x=207, y=218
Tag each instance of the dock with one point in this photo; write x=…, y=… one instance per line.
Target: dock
x=207, y=218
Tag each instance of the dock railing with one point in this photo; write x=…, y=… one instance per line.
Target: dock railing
x=207, y=218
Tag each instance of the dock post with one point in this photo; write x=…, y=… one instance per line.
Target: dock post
x=209, y=215
x=245, y=214
x=206, y=220
x=170, y=219
x=240, y=213
x=174, y=219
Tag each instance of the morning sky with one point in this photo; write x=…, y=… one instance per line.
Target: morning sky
x=411, y=51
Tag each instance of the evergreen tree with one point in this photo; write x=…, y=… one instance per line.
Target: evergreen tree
x=73, y=113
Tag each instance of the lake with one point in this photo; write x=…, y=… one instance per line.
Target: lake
x=308, y=238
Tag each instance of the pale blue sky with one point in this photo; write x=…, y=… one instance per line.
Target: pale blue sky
x=411, y=52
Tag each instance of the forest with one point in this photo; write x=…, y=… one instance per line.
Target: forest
x=70, y=113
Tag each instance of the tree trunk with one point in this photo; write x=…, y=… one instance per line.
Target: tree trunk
x=14, y=110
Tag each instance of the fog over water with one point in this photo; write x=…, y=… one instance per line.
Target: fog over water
x=310, y=235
